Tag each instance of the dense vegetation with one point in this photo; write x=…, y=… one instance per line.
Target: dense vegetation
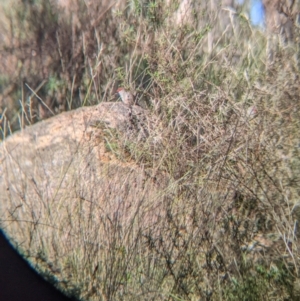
x=229, y=227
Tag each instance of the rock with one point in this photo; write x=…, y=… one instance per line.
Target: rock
x=61, y=189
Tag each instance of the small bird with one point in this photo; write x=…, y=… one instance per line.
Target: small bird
x=126, y=96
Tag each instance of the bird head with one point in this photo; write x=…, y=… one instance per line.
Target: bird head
x=126, y=96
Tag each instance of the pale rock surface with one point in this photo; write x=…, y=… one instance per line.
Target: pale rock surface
x=59, y=183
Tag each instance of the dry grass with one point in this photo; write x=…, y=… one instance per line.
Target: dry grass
x=223, y=226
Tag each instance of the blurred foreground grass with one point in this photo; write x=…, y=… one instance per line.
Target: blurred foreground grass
x=228, y=224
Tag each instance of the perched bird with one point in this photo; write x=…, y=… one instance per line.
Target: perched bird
x=126, y=96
